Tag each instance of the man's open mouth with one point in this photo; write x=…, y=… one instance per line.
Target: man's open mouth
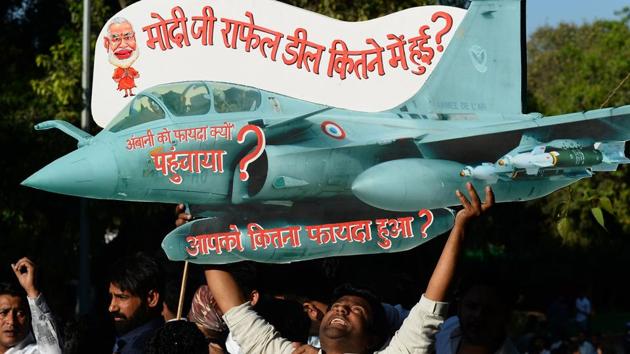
x=123, y=53
x=338, y=322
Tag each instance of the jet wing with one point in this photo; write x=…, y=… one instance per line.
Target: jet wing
x=466, y=141
x=476, y=144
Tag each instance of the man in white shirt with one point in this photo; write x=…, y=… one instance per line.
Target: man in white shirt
x=348, y=325
x=16, y=336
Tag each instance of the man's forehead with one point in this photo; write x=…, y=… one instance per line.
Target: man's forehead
x=353, y=300
x=115, y=289
x=120, y=28
x=9, y=301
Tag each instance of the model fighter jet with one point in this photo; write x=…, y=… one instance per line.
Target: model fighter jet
x=325, y=164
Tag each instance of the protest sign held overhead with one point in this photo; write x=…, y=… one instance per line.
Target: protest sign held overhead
x=241, y=139
x=272, y=46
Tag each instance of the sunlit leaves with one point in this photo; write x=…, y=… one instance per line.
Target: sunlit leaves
x=61, y=86
x=357, y=10
x=574, y=68
x=599, y=216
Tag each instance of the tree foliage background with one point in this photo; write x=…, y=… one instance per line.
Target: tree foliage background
x=574, y=68
x=583, y=230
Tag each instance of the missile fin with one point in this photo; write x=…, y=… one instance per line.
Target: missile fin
x=540, y=149
x=613, y=152
x=532, y=171
x=605, y=167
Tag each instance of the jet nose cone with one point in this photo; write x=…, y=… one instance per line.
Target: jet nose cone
x=90, y=171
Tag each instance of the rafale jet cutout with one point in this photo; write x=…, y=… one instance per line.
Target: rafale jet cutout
x=281, y=179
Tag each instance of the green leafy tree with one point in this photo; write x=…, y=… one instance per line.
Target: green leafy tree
x=61, y=86
x=573, y=68
x=357, y=10
x=26, y=29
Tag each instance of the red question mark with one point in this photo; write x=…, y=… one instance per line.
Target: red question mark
x=449, y=24
x=254, y=154
x=422, y=213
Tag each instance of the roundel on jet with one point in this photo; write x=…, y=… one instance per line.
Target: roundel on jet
x=333, y=130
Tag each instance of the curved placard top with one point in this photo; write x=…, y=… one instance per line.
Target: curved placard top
x=366, y=66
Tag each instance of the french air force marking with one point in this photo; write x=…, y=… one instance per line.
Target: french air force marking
x=333, y=130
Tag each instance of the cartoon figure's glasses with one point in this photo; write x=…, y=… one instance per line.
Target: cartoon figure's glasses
x=126, y=36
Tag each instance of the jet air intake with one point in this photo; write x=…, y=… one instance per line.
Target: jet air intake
x=291, y=172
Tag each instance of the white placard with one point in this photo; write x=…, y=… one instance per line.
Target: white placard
x=366, y=66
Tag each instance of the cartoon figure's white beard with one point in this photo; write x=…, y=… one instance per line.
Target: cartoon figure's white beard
x=122, y=63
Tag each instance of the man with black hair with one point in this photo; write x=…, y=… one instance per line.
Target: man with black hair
x=135, y=288
x=480, y=325
x=16, y=317
x=172, y=283
x=349, y=312
x=286, y=316
x=350, y=323
x=315, y=304
x=177, y=337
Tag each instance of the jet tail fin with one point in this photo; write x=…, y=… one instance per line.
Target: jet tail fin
x=482, y=70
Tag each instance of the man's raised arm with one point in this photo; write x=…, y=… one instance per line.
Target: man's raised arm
x=224, y=288
x=252, y=333
x=43, y=324
x=445, y=268
x=417, y=334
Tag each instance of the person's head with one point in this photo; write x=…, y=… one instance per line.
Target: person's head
x=177, y=337
x=170, y=300
x=315, y=297
x=315, y=311
x=486, y=295
x=205, y=313
x=171, y=291
x=314, y=307
x=286, y=316
x=246, y=274
x=355, y=322
x=135, y=288
x=15, y=322
x=120, y=43
x=485, y=308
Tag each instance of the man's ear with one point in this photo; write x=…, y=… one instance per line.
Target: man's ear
x=254, y=296
x=106, y=43
x=153, y=298
x=312, y=311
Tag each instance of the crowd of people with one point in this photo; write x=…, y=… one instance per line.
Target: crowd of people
x=230, y=313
